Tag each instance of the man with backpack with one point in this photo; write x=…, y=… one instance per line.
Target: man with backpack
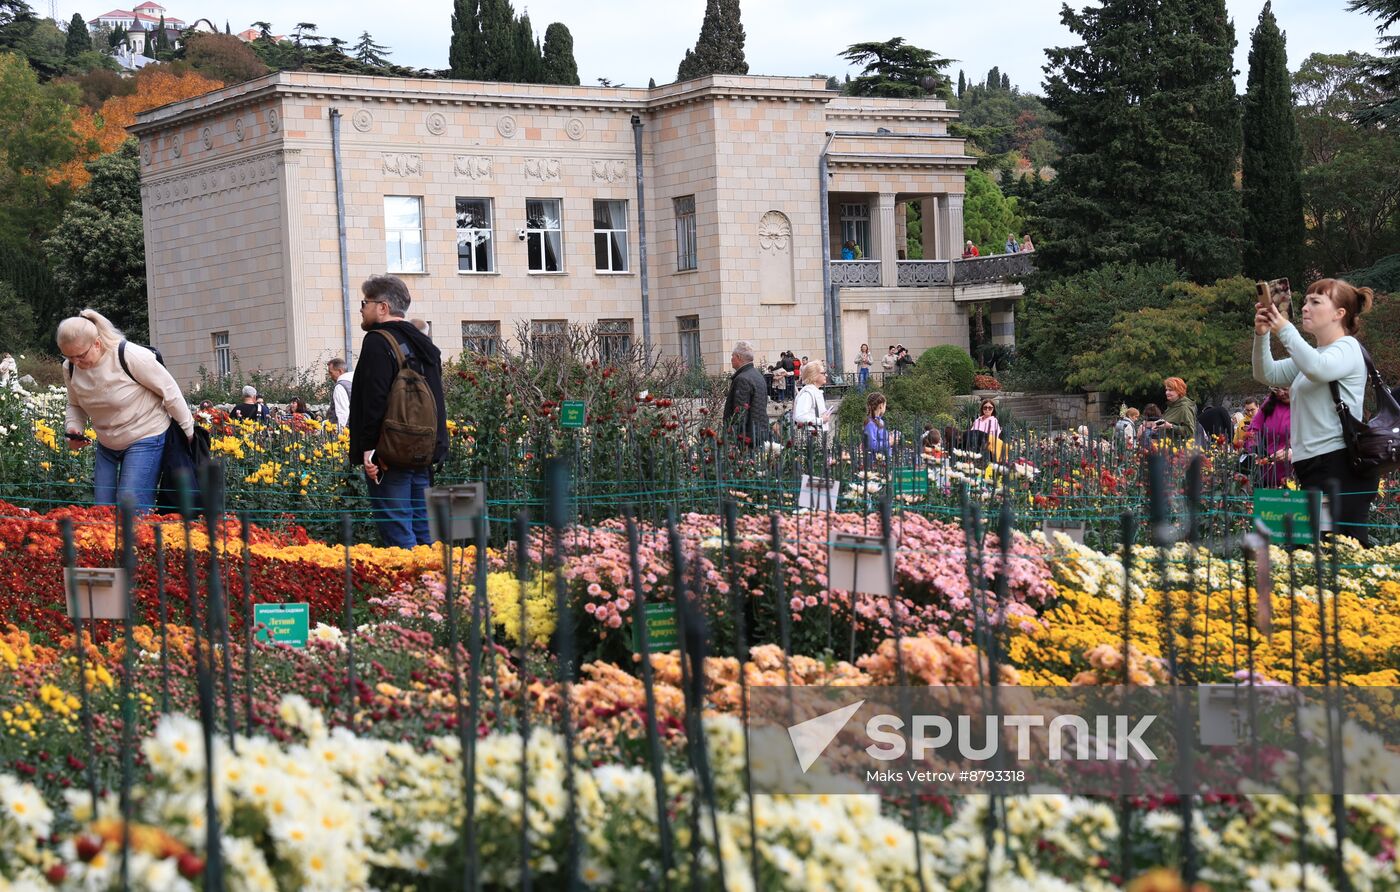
x=398, y=421
x=342, y=379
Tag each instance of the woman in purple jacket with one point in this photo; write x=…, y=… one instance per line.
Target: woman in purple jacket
x=1269, y=431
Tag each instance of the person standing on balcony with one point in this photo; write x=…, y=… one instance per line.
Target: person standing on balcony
x=848, y=250
x=863, y=363
x=970, y=250
x=746, y=407
x=1012, y=246
x=1026, y=245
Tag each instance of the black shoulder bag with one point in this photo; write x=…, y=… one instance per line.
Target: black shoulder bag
x=1374, y=446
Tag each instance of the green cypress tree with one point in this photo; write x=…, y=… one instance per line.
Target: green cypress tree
x=962, y=83
x=79, y=40
x=1151, y=126
x=529, y=68
x=1272, y=160
x=558, y=61
x=720, y=49
x=498, y=41
x=994, y=79
x=464, y=53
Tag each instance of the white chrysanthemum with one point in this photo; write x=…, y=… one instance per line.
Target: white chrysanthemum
x=177, y=746
x=24, y=805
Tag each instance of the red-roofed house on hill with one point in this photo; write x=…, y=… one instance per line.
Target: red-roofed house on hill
x=141, y=24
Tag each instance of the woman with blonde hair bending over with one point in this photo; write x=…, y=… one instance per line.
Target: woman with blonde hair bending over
x=1318, y=450
x=130, y=409
x=810, y=411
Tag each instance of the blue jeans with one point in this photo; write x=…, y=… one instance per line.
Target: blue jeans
x=864, y=377
x=135, y=470
x=400, y=511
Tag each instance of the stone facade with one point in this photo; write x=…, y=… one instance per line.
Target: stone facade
x=243, y=252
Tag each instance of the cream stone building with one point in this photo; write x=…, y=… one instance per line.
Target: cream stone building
x=266, y=204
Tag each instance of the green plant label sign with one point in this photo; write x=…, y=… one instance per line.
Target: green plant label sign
x=910, y=481
x=663, y=631
x=571, y=414
x=1272, y=505
x=283, y=623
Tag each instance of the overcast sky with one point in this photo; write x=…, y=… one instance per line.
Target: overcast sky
x=628, y=41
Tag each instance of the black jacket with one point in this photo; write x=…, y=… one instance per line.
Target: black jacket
x=746, y=407
x=375, y=372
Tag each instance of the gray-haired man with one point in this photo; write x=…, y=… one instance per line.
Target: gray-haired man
x=746, y=407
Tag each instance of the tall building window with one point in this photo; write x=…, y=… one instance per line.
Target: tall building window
x=610, y=236
x=403, y=233
x=614, y=340
x=544, y=235
x=686, y=256
x=690, y=341
x=475, y=250
x=549, y=335
x=855, y=226
x=481, y=337
x=223, y=355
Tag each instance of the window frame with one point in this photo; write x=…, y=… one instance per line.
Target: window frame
x=855, y=226
x=532, y=233
x=610, y=234
x=223, y=355
x=398, y=268
x=687, y=241
x=489, y=337
x=615, y=339
x=489, y=239
x=688, y=329
x=542, y=340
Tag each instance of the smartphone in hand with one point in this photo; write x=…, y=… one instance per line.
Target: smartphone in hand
x=1275, y=291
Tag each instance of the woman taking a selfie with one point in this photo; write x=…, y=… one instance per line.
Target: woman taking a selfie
x=130, y=412
x=1330, y=314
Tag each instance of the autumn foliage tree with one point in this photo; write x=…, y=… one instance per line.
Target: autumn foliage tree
x=105, y=130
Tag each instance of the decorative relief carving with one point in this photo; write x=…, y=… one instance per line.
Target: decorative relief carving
x=574, y=129
x=506, y=126
x=207, y=136
x=403, y=164
x=609, y=171
x=175, y=145
x=202, y=184
x=362, y=120
x=476, y=168
x=238, y=128
x=273, y=122
x=544, y=170
x=437, y=123
x=774, y=230
x=146, y=154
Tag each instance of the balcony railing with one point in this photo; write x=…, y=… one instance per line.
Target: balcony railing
x=931, y=273
x=857, y=273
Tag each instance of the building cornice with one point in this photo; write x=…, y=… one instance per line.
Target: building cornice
x=867, y=160
x=430, y=92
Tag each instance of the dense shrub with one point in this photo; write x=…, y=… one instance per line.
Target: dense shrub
x=949, y=364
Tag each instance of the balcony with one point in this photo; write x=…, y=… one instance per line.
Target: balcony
x=933, y=273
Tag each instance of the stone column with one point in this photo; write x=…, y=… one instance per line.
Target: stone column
x=952, y=226
x=1002, y=321
x=929, y=211
x=882, y=221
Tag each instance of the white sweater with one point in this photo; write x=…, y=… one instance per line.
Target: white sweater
x=1314, y=428
x=810, y=407
x=123, y=410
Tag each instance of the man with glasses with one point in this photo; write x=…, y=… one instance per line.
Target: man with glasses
x=396, y=493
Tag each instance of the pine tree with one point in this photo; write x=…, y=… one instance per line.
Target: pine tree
x=1151, y=126
x=897, y=69
x=559, y=65
x=962, y=83
x=720, y=49
x=529, y=68
x=79, y=40
x=498, y=40
x=464, y=54
x=367, y=52
x=1273, y=194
